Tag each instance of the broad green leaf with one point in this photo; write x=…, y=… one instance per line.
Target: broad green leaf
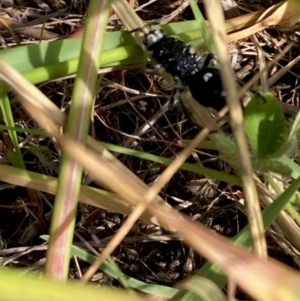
x=226, y=146
x=272, y=165
x=265, y=125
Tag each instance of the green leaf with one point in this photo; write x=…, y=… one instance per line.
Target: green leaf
x=28, y=57
x=272, y=165
x=293, y=166
x=227, y=148
x=265, y=125
x=291, y=141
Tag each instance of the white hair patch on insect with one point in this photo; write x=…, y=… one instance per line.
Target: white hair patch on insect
x=154, y=37
x=207, y=76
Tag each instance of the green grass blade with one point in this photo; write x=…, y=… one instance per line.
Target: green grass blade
x=70, y=175
x=205, y=30
x=14, y=287
x=29, y=57
x=111, y=270
x=15, y=156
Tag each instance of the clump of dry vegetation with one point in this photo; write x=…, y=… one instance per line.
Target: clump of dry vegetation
x=130, y=111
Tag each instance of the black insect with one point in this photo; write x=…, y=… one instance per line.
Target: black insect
x=191, y=69
x=206, y=87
